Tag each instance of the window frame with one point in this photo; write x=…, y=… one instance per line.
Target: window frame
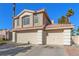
x=17, y=22
x=24, y=21
x=36, y=18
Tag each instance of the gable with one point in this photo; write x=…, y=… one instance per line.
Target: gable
x=46, y=18
x=25, y=12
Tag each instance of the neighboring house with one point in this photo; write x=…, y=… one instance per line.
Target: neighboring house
x=35, y=27
x=5, y=34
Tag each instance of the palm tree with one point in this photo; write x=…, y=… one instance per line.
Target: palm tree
x=59, y=21
x=70, y=13
x=63, y=20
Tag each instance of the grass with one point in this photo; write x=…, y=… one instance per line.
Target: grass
x=2, y=42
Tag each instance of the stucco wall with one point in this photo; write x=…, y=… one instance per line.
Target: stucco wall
x=39, y=36
x=40, y=20
x=15, y=24
x=44, y=40
x=13, y=36
x=31, y=19
x=20, y=20
x=45, y=21
x=67, y=36
x=75, y=39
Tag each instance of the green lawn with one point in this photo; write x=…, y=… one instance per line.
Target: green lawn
x=2, y=42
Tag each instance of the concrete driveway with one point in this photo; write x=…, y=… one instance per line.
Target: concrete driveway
x=47, y=51
x=30, y=50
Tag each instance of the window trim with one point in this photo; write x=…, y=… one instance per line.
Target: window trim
x=17, y=20
x=23, y=20
x=36, y=18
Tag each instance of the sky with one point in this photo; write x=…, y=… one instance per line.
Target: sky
x=54, y=11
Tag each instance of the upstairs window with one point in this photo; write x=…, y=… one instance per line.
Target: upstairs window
x=17, y=22
x=36, y=18
x=26, y=20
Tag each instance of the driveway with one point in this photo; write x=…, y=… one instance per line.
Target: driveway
x=31, y=50
x=47, y=51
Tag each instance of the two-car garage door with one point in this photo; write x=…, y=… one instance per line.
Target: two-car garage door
x=26, y=36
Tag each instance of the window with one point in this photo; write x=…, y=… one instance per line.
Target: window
x=36, y=18
x=26, y=20
x=17, y=22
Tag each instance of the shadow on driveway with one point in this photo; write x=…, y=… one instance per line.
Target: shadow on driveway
x=15, y=51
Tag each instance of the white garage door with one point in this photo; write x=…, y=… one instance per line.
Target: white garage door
x=55, y=37
x=27, y=36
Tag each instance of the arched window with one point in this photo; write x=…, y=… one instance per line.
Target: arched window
x=26, y=20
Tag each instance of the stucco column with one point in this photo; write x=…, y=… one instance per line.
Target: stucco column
x=67, y=37
x=39, y=36
x=13, y=37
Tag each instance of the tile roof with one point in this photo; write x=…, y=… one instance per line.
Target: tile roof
x=59, y=26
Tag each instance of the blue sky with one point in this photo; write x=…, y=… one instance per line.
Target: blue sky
x=54, y=11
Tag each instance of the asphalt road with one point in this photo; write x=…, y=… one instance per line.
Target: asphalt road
x=28, y=50
x=13, y=49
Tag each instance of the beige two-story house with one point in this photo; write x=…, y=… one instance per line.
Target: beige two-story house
x=35, y=27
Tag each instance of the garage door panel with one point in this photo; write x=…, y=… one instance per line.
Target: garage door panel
x=55, y=38
x=25, y=37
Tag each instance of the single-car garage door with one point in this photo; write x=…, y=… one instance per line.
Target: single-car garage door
x=27, y=36
x=55, y=37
